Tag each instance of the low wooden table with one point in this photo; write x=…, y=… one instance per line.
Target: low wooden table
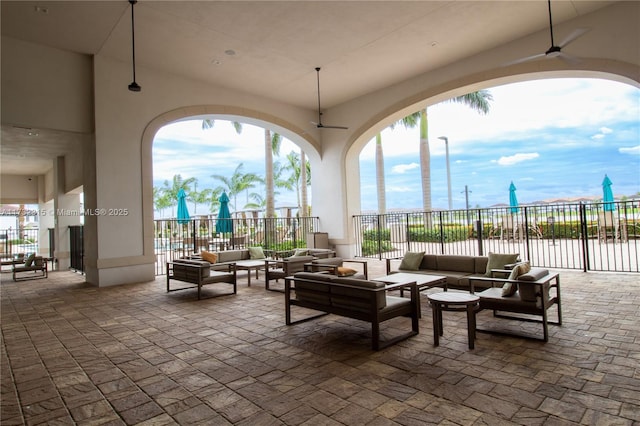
x=250, y=265
x=454, y=301
x=423, y=281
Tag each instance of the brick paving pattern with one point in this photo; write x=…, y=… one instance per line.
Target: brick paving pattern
x=135, y=355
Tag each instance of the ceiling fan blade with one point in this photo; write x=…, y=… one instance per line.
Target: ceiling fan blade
x=325, y=126
x=573, y=60
x=574, y=35
x=527, y=59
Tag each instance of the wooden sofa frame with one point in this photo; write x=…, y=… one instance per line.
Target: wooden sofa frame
x=321, y=292
x=190, y=271
x=492, y=299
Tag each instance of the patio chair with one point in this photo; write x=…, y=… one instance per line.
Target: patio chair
x=610, y=227
x=239, y=242
x=336, y=266
x=277, y=269
x=510, y=228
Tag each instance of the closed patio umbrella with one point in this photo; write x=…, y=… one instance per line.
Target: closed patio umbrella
x=513, y=200
x=607, y=195
x=224, y=224
x=183, y=211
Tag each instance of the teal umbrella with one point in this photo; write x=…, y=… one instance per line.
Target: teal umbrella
x=224, y=224
x=607, y=197
x=183, y=211
x=513, y=201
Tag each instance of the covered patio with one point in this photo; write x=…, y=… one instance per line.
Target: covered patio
x=134, y=354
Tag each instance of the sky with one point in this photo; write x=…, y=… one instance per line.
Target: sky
x=554, y=138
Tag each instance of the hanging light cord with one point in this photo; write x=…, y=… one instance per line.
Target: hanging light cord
x=134, y=87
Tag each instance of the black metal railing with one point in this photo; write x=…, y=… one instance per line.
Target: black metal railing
x=173, y=240
x=570, y=236
x=15, y=241
x=76, y=248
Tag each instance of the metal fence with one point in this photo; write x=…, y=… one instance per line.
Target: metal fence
x=173, y=240
x=14, y=241
x=569, y=236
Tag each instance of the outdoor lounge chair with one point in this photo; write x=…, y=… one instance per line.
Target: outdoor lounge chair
x=610, y=227
x=34, y=267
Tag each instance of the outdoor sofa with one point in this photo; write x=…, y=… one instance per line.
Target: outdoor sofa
x=352, y=298
x=458, y=269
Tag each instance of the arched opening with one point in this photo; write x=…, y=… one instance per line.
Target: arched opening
x=355, y=198
x=261, y=123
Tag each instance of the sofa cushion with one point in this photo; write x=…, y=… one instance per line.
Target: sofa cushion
x=456, y=263
x=429, y=261
x=528, y=292
x=498, y=260
x=233, y=255
x=256, y=253
x=481, y=264
x=332, y=261
x=208, y=256
x=313, y=276
x=301, y=252
x=353, y=298
x=411, y=261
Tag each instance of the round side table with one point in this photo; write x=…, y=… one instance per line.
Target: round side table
x=452, y=301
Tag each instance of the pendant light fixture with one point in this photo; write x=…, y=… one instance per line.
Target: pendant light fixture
x=134, y=87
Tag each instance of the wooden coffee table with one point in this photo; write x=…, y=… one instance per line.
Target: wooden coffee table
x=423, y=281
x=454, y=301
x=250, y=265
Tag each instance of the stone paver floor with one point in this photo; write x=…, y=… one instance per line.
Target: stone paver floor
x=135, y=355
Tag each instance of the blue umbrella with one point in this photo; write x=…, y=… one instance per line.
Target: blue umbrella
x=513, y=201
x=607, y=192
x=224, y=224
x=183, y=211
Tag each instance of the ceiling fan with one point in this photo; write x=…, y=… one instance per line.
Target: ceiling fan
x=319, y=124
x=555, y=51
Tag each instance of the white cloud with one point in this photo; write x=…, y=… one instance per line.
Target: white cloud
x=401, y=168
x=605, y=130
x=634, y=150
x=598, y=136
x=517, y=158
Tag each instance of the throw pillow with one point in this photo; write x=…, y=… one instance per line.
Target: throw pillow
x=301, y=252
x=509, y=289
x=256, y=253
x=29, y=260
x=209, y=257
x=498, y=260
x=341, y=271
x=411, y=261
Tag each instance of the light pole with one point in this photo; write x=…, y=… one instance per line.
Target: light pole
x=446, y=144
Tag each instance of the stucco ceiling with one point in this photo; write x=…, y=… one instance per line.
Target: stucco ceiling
x=271, y=48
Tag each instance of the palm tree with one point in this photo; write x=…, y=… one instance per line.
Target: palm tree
x=208, y=123
x=237, y=183
x=271, y=146
x=171, y=189
x=478, y=101
x=198, y=197
x=408, y=122
x=161, y=199
x=305, y=179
